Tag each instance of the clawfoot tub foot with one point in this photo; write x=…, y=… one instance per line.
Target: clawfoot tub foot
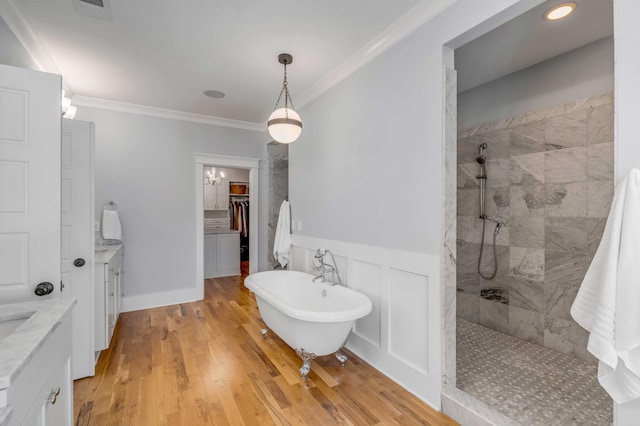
x=263, y=332
x=306, y=367
x=341, y=357
x=306, y=362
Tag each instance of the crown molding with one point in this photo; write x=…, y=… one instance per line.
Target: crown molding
x=87, y=101
x=25, y=34
x=405, y=25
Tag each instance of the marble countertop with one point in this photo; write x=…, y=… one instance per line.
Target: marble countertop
x=221, y=231
x=104, y=254
x=20, y=346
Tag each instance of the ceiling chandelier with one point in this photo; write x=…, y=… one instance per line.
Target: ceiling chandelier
x=284, y=123
x=211, y=178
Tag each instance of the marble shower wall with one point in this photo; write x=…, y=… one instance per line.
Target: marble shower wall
x=550, y=180
x=278, y=191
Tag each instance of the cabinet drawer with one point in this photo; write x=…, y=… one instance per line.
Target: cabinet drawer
x=222, y=223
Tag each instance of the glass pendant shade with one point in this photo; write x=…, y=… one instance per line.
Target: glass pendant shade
x=284, y=125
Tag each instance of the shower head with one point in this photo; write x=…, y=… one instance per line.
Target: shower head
x=481, y=158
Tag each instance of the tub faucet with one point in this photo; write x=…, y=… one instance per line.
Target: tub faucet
x=323, y=268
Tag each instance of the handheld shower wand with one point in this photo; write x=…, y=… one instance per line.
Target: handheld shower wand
x=482, y=177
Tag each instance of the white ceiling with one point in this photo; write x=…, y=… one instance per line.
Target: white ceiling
x=164, y=54
x=529, y=39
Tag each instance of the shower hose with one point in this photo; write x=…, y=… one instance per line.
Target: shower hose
x=495, y=257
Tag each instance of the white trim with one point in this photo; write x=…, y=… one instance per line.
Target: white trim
x=410, y=261
x=253, y=164
x=225, y=273
x=228, y=161
x=199, y=228
x=155, y=300
x=87, y=101
x=395, y=32
x=398, y=30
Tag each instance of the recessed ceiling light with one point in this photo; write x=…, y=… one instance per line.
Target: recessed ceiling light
x=216, y=94
x=560, y=11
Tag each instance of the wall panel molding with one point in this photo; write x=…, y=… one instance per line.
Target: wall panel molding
x=402, y=336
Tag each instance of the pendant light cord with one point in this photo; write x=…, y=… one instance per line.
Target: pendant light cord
x=287, y=97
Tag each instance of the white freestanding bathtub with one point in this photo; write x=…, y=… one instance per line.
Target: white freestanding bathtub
x=314, y=318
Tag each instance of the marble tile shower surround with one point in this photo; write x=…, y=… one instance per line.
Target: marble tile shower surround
x=550, y=180
x=448, y=266
x=278, y=190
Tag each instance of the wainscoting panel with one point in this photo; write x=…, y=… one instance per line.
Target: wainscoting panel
x=402, y=335
x=408, y=318
x=298, y=261
x=367, y=279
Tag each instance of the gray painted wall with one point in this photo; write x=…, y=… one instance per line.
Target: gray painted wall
x=577, y=74
x=368, y=167
x=146, y=165
x=365, y=169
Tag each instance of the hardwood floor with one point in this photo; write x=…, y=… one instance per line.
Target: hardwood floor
x=205, y=363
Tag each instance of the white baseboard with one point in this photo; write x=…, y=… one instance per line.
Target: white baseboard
x=156, y=300
x=225, y=273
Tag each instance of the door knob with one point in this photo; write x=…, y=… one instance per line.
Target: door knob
x=43, y=289
x=79, y=262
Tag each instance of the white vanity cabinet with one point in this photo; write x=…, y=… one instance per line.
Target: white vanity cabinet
x=35, y=365
x=54, y=405
x=221, y=253
x=109, y=294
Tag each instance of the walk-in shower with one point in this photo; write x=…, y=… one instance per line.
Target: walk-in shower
x=543, y=189
x=482, y=178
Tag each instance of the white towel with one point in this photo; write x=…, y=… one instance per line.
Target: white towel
x=608, y=302
x=111, y=227
x=282, y=242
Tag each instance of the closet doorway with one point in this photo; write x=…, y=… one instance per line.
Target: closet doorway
x=226, y=221
x=227, y=225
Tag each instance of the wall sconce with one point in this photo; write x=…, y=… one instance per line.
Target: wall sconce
x=211, y=178
x=284, y=124
x=68, y=110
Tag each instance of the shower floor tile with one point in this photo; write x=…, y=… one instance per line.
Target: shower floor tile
x=530, y=384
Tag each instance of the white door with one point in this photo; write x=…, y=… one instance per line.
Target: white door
x=78, y=239
x=29, y=183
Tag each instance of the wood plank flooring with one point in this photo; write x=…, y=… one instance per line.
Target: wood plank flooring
x=205, y=363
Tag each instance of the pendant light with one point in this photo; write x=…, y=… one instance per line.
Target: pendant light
x=284, y=123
